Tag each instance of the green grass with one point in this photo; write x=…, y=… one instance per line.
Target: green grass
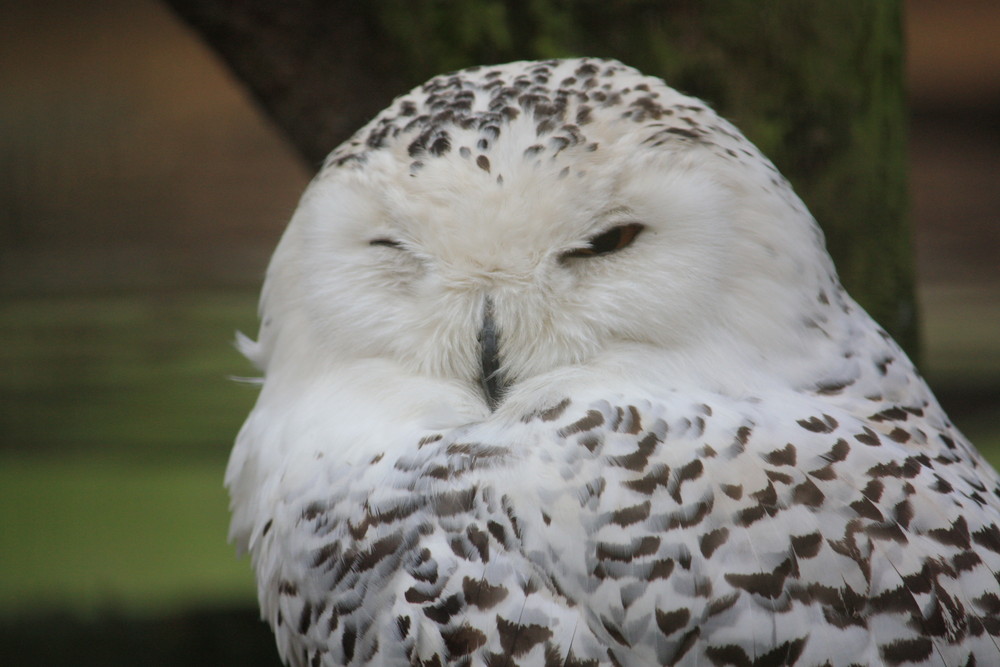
x=95, y=534
x=116, y=415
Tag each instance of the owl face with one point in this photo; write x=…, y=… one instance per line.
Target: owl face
x=591, y=219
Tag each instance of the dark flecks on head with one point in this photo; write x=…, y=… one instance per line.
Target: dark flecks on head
x=484, y=102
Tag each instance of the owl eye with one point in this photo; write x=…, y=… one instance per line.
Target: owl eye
x=388, y=243
x=607, y=242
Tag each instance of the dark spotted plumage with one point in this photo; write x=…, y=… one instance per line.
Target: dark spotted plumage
x=650, y=544
x=693, y=449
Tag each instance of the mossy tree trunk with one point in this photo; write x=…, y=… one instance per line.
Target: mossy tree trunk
x=817, y=85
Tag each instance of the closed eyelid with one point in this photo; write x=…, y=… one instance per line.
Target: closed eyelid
x=387, y=242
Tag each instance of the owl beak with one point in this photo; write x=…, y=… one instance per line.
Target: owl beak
x=490, y=378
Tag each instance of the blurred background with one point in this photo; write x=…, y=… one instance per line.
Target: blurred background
x=141, y=195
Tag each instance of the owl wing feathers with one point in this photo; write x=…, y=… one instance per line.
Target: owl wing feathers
x=416, y=560
x=640, y=533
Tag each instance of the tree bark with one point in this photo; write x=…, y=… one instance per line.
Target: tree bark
x=817, y=85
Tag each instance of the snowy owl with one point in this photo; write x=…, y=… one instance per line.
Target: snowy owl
x=557, y=371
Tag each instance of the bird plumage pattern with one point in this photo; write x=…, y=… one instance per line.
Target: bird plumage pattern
x=557, y=371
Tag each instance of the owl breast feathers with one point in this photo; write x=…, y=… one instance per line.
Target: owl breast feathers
x=557, y=371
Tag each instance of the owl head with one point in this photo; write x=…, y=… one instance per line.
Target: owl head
x=500, y=231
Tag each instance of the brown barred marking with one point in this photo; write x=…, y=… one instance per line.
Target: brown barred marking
x=463, y=640
x=687, y=473
x=786, y=653
x=711, y=541
x=966, y=561
x=670, y=622
x=894, y=413
x=497, y=531
x=832, y=387
x=898, y=600
x=766, y=584
x=445, y=609
x=662, y=569
x=382, y=548
x=425, y=569
x=722, y=604
x=415, y=596
x=482, y=595
x=633, y=422
x=782, y=457
x=685, y=518
x=615, y=632
x=867, y=509
x=590, y=442
x=824, y=424
x=766, y=496
x=477, y=450
x=730, y=654
x=347, y=643
x=458, y=547
x=941, y=485
x=555, y=411
x=658, y=475
x=325, y=554
x=955, y=536
x=988, y=603
x=305, y=618
x=517, y=639
x=630, y=515
x=779, y=477
x=429, y=439
x=899, y=435
x=873, y=490
x=838, y=452
x=868, y=438
x=685, y=644
x=592, y=420
x=480, y=541
x=637, y=548
x=455, y=502
x=639, y=459
x=988, y=537
x=617, y=415
x=734, y=491
x=824, y=474
x=906, y=650
x=312, y=511
x=403, y=626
